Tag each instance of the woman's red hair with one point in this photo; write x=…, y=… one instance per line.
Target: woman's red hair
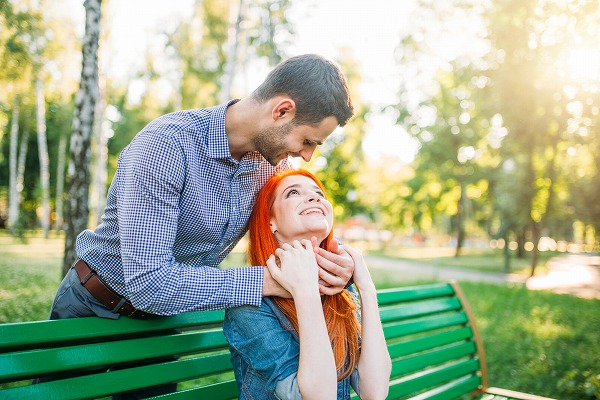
x=339, y=310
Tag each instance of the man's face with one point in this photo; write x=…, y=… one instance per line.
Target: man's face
x=279, y=142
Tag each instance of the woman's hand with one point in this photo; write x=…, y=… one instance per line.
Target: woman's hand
x=295, y=267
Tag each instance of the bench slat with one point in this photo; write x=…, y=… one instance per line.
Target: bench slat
x=403, y=348
x=115, y=381
x=419, y=309
x=32, y=334
x=424, y=380
x=217, y=391
x=412, y=293
x=421, y=325
x=34, y=363
x=432, y=358
x=451, y=390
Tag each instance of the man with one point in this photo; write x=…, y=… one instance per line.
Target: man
x=182, y=194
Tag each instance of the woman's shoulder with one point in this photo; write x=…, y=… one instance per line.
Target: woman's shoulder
x=266, y=306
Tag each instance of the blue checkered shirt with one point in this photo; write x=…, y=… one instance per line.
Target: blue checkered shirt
x=177, y=205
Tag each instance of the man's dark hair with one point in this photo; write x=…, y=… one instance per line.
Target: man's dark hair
x=317, y=86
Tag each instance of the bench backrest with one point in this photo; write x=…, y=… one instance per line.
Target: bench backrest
x=38, y=349
x=434, y=344
x=430, y=339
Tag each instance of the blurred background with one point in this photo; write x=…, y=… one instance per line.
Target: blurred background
x=474, y=153
x=476, y=123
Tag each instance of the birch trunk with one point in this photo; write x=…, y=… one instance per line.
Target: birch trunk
x=13, y=194
x=99, y=179
x=21, y=166
x=60, y=183
x=230, y=64
x=76, y=210
x=43, y=155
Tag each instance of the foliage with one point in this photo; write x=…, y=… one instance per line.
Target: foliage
x=505, y=121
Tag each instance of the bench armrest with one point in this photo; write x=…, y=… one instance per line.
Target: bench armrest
x=515, y=395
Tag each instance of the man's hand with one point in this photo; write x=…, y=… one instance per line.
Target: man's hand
x=336, y=269
x=272, y=288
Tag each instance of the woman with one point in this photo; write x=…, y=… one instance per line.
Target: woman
x=310, y=346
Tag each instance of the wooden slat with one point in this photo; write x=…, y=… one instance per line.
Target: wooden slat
x=514, y=395
x=452, y=390
x=218, y=391
x=418, y=309
x=396, y=330
x=412, y=293
x=424, y=380
x=24, y=334
x=432, y=358
x=406, y=347
x=34, y=363
x=115, y=381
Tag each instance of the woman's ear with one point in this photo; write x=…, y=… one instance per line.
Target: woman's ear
x=273, y=227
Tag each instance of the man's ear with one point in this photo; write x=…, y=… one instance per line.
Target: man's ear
x=284, y=109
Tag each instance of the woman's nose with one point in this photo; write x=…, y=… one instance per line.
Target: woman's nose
x=313, y=197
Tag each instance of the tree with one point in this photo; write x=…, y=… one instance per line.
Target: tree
x=77, y=213
x=43, y=154
x=18, y=33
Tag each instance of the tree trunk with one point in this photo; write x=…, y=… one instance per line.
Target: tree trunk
x=76, y=210
x=460, y=224
x=60, y=183
x=234, y=40
x=43, y=155
x=520, y=243
x=100, y=174
x=506, y=251
x=13, y=194
x=21, y=168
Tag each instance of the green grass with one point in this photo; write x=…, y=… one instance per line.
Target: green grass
x=536, y=342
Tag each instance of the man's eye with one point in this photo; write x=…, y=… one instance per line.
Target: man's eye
x=307, y=143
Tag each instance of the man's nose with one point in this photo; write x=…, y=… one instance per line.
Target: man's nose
x=307, y=154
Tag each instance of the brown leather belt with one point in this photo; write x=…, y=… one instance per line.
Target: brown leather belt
x=105, y=295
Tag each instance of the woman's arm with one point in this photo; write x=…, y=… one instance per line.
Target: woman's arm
x=298, y=274
x=374, y=365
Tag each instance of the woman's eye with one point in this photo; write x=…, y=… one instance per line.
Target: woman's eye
x=292, y=192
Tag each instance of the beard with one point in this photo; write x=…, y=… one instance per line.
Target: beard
x=271, y=144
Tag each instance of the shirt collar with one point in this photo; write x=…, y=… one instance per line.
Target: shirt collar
x=218, y=146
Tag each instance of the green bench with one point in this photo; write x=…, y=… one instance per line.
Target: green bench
x=436, y=350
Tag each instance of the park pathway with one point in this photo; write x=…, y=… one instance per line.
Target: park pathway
x=578, y=275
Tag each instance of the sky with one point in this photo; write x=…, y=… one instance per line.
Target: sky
x=371, y=29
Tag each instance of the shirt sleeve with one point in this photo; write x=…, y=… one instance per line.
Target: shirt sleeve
x=269, y=349
x=148, y=213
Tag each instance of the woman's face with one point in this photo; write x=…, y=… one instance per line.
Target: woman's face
x=300, y=210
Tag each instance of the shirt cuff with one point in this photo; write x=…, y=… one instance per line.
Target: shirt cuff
x=246, y=286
